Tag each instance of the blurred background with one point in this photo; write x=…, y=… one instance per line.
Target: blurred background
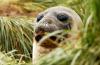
x=33, y=7
x=16, y=33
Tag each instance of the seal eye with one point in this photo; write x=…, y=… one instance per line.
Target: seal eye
x=39, y=18
x=62, y=17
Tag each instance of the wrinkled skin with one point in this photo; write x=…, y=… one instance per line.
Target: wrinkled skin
x=50, y=20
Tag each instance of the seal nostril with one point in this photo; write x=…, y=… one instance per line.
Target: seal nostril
x=49, y=22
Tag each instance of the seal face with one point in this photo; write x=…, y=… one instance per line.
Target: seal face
x=51, y=20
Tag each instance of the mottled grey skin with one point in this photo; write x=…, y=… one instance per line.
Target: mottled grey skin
x=50, y=23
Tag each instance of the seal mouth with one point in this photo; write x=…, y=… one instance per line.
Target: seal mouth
x=39, y=35
x=40, y=32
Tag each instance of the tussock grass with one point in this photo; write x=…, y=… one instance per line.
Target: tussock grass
x=16, y=33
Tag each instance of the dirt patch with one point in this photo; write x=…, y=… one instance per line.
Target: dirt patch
x=16, y=10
